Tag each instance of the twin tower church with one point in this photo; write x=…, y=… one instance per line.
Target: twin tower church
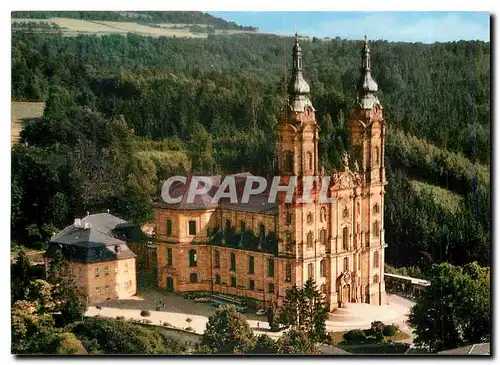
x=259, y=249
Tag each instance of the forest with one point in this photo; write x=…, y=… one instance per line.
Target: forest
x=124, y=112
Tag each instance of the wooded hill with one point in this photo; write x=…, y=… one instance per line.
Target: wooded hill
x=216, y=102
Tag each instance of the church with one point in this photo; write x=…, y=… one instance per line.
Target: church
x=257, y=250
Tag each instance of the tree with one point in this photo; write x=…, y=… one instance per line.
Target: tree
x=294, y=342
x=263, y=345
x=69, y=299
x=227, y=332
x=455, y=310
x=305, y=310
x=20, y=276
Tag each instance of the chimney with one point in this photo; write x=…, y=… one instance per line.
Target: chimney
x=78, y=222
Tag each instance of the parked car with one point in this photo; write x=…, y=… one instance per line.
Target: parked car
x=261, y=312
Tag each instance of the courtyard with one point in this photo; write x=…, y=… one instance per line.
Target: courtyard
x=175, y=311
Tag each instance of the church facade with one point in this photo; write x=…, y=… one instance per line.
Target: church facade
x=258, y=250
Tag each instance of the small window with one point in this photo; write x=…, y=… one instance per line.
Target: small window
x=251, y=264
x=217, y=259
x=346, y=264
x=243, y=226
x=288, y=219
x=322, y=236
x=345, y=238
x=169, y=227
x=233, y=262
x=169, y=257
x=376, y=259
x=270, y=268
x=310, y=160
x=376, y=229
x=310, y=240
x=106, y=271
x=375, y=278
x=217, y=279
x=126, y=285
x=233, y=281
x=106, y=289
x=228, y=224
x=251, y=285
x=192, y=228
x=126, y=267
x=96, y=272
x=322, y=268
x=310, y=272
x=193, y=277
x=192, y=258
x=270, y=288
x=288, y=272
x=116, y=269
x=98, y=290
x=376, y=208
x=262, y=230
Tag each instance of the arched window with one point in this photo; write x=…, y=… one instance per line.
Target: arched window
x=233, y=262
x=251, y=264
x=309, y=218
x=309, y=160
x=288, y=241
x=262, y=230
x=345, y=238
x=310, y=240
x=288, y=162
x=322, y=268
x=322, y=236
x=346, y=264
x=228, y=223
x=376, y=229
x=216, y=259
x=192, y=258
x=288, y=219
x=376, y=156
x=376, y=259
x=358, y=155
x=375, y=278
x=376, y=208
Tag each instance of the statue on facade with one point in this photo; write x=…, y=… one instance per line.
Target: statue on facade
x=345, y=160
x=356, y=166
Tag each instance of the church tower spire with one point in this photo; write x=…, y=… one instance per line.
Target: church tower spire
x=367, y=85
x=298, y=88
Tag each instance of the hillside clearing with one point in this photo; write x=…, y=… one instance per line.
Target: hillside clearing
x=20, y=111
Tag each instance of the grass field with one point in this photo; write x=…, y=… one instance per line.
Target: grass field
x=21, y=111
x=73, y=27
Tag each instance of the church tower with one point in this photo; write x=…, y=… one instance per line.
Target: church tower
x=298, y=222
x=367, y=132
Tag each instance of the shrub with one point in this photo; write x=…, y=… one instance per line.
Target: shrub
x=379, y=336
x=377, y=326
x=189, y=320
x=145, y=314
x=166, y=324
x=355, y=336
x=189, y=329
x=120, y=318
x=390, y=330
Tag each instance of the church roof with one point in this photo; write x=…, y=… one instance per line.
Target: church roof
x=256, y=203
